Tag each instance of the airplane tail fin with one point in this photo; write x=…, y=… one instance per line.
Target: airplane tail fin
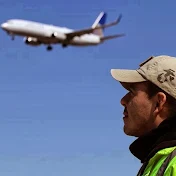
x=100, y=20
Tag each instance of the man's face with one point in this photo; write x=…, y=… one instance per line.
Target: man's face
x=138, y=110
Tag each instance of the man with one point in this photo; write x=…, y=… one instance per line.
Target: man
x=150, y=113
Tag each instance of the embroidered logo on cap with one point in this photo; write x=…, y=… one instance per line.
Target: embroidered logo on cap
x=167, y=76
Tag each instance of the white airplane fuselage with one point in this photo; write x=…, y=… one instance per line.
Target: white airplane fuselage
x=40, y=33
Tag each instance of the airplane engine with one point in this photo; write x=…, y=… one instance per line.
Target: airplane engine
x=59, y=36
x=31, y=41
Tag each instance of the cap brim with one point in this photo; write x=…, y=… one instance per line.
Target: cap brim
x=128, y=76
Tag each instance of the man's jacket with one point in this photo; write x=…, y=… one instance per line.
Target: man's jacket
x=155, y=147
x=156, y=162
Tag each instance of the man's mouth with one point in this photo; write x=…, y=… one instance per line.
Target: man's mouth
x=125, y=113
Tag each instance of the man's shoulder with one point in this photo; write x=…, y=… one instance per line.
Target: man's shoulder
x=157, y=161
x=161, y=154
x=171, y=168
x=165, y=151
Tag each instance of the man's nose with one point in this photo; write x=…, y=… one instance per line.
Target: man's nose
x=122, y=101
x=125, y=99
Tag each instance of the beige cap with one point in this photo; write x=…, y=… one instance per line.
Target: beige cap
x=160, y=70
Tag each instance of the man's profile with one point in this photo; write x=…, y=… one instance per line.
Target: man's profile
x=150, y=113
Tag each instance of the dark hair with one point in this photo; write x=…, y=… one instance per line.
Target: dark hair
x=152, y=90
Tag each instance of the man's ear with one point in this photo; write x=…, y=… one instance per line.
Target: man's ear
x=160, y=100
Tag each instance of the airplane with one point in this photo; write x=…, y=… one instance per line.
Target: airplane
x=36, y=33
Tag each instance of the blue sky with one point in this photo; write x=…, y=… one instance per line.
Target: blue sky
x=60, y=111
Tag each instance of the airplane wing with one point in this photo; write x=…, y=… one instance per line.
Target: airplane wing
x=90, y=30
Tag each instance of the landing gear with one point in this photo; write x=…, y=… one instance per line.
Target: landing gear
x=49, y=48
x=64, y=45
x=11, y=35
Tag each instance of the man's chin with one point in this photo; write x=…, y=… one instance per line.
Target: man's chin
x=129, y=132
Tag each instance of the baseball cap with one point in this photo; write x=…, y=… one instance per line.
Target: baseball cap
x=160, y=70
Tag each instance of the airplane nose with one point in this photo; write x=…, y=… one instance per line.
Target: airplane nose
x=4, y=25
